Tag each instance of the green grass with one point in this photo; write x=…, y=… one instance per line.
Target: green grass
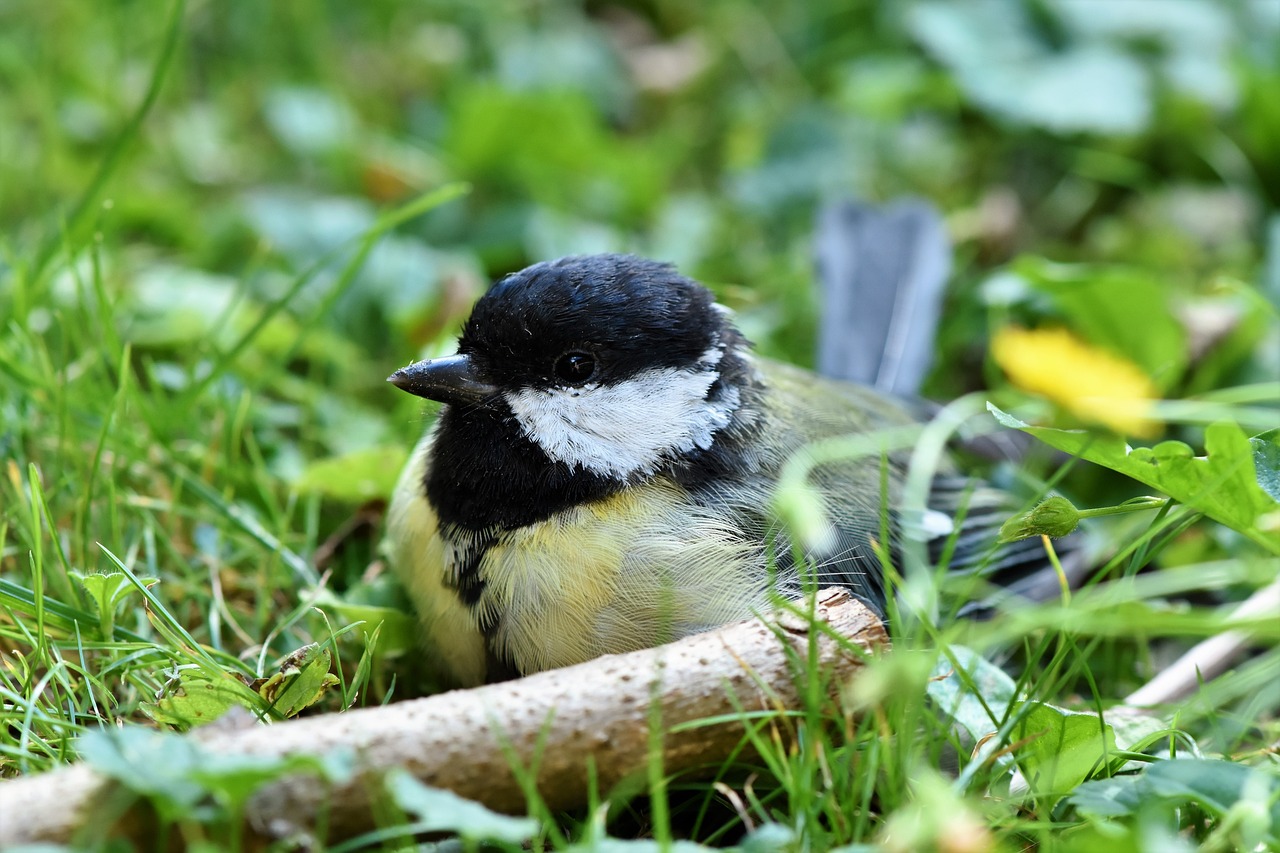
x=221, y=227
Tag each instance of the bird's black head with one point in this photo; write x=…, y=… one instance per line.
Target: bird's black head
x=580, y=376
x=595, y=318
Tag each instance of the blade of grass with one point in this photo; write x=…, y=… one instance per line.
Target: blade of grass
x=74, y=222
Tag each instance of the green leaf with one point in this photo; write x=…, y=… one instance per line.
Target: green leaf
x=445, y=811
x=197, y=697
x=107, y=589
x=1114, y=797
x=997, y=56
x=232, y=778
x=155, y=764
x=301, y=682
x=1266, y=458
x=1216, y=786
x=1224, y=484
x=767, y=838
x=396, y=625
x=1063, y=747
x=975, y=699
x=354, y=477
x=177, y=775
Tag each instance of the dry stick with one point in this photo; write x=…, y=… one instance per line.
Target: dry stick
x=1208, y=659
x=466, y=740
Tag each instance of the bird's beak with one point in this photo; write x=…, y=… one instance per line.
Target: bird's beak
x=452, y=379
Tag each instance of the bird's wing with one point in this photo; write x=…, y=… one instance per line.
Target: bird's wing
x=965, y=515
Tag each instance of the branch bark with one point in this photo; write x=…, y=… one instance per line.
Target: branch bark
x=466, y=740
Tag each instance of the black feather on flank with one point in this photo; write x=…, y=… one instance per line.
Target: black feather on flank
x=466, y=580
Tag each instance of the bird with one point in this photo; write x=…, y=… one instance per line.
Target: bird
x=600, y=477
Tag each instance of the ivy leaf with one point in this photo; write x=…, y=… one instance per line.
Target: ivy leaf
x=1226, y=484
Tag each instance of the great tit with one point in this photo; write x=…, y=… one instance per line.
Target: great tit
x=600, y=477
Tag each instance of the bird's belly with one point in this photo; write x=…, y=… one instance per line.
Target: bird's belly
x=631, y=571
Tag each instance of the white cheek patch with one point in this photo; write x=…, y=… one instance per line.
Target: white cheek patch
x=624, y=429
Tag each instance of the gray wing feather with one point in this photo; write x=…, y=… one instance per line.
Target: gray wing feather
x=883, y=271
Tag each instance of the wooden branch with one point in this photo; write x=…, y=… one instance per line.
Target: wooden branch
x=463, y=740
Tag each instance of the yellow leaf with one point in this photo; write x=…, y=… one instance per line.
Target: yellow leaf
x=1093, y=384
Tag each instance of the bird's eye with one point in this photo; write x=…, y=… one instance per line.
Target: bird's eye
x=575, y=366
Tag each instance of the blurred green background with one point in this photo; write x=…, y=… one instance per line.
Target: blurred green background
x=223, y=224
x=198, y=319
x=1142, y=131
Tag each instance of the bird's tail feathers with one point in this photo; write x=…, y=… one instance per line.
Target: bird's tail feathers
x=883, y=271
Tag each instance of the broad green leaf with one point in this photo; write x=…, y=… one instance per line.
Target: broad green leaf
x=1114, y=797
x=309, y=120
x=445, y=811
x=1062, y=748
x=976, y=703
x=176, y=774
x=995, y=52
x=354, y=477
x=1224, y=484
x=396, y=626
x=301, y=682
x=1216, y=786
x=197, y=698
x=232, y=778
x=1266, y=458
x=155, y=764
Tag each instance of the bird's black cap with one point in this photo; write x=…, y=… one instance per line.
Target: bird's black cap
x=634, y=314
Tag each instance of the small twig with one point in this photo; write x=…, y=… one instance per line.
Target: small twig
x=1208, y=659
